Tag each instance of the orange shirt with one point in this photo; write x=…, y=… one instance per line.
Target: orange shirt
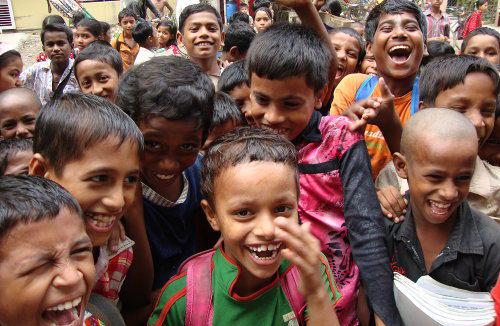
x=127, y=53
x=344, y=96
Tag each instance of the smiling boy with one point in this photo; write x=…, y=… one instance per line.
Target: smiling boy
x=200, y=32
x=18, y=110
x=395, y=34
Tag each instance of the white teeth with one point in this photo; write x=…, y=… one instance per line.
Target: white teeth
x=397, y=47
x=66, y=305
x=101, y=220
x=165, y=177
x=440, y=205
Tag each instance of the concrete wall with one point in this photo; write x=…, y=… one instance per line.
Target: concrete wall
x=29, y=14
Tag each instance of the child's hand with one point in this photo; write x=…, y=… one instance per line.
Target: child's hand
x=362, y=113
x=393, y=204
x=117, y=235
x=302, y=250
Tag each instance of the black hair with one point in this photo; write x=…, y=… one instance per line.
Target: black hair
x=264, y=9
x=480, y=31
x=436, y=49
x=57, y=28
x=6, y=57
x=100, y=51
x=333, y=7
x=171, y=87
x=126, y=12
x=233, y=76
x=352, y=32
x=93, y=26
x=260, y=3
x=142, y=31
x=479, y=3
x=225, y=109
x=105, y=27
x=239, y=16
x=394, y=7
x=9, y=147
x=28, y=199
x=195, y=9
x=172, y=28
x=447, y=72
x=66, y=127
x=245, y=145
x=303, y=53
x=243, y=4
x=77, y=16
x=52, y=19
x=238, y=34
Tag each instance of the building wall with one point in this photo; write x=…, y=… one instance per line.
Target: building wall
x=29, y=14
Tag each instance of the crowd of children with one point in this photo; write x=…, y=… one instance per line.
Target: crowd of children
x=250, y=173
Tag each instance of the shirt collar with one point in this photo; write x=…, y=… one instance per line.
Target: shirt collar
x=481, y=179
x=156, y=198
x=311, y=133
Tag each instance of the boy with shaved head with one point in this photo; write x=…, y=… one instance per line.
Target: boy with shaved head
x=441, y=235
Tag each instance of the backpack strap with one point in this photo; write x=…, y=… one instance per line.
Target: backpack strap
x=199, y=307
x=290, y=285
x=366, y=88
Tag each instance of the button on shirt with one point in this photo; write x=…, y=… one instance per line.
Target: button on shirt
x=470, y=260
x=38, y=77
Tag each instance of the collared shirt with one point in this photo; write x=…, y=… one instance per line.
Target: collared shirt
x=437, y=27
x=156, y=198
x=38, y=77
x=470, y=259
x=127, y=53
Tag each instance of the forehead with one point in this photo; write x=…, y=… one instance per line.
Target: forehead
x=201, y=18
x=393, y=18
x=483, y=41
x=291, y=86
x=82, y=29
x=185, y=129
x=90, y=67
x=11, y=106
x=341, y=38
x=128, y=19
x=429, y=150
x=476, y=85
x=55, y=37
x=261, y=14
x=14, y=62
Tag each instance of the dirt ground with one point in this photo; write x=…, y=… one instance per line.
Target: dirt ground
x=30, y=49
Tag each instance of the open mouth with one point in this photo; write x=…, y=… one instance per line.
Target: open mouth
x=340, y=71
x=439, y=208
x=165, y=177
x=399, y=53
x=101, y=223
x=204, y=44
x=264, y=252
x=66, y=313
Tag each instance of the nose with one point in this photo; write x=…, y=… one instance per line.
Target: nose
x=97, y=89
x=22, y=131
x=68, y=275
x=449, y=191
x=399, y=31
x=265, y=228
x=341, y=55
x=478, y=122
x=115, y=200
x=168, y=164
x=18, y=82
x=273, y=116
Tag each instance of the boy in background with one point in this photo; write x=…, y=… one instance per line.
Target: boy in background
x=438, y=22
x=15, y=156
x=146, y=36
x=19, y=108
x=234, y=81
x=238, y=38
x=125, y=43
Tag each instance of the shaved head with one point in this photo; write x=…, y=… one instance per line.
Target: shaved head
x=19, y=95
x=431, y=126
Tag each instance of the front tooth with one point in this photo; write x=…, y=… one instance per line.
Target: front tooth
x=60, y=307
x=271, y=247
x=68, y=305
x=76, y=302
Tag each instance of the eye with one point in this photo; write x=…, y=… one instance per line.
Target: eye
x=193, y=29
x=283, y=209
x=85, y=84
x=412, y=27
x=292, y=104
x=243, y=213
x=488, y=112
x=103, y=78
x=152, y=145
x=261, y=100
x=434, y=177
x=99, y=178
x=29, y=120
x=82, y=250
x=9, y=125
x=188, y=148
x=464, y=178
x=352, y=54
x=132, y=179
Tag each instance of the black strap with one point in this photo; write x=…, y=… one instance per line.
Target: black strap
x=59, y=90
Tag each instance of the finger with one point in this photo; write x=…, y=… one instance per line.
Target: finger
x=384, y=90
x=122, y=233
x=397, y=201
x=386, y=205
x=298, y=238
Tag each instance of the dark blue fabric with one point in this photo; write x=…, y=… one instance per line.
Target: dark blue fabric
x=171, y=232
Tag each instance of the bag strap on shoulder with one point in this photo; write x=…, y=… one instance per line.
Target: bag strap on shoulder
x=366, y=89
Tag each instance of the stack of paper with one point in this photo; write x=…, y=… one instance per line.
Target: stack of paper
x=429, y=302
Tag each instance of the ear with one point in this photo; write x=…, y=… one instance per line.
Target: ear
x=422, y=105
x=234, y=53
x=399, y=161
x=319, y=96
x=426, y=53
x=369, y=47
x=38, y=166
x=179, y=38
x=210, y=214
x=222, y=37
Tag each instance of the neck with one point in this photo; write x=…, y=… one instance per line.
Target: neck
x=399, y=87
x=208, y=65
x=436, y=10
x=58, y=68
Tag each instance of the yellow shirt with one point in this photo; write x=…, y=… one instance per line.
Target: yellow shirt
x=127, y=53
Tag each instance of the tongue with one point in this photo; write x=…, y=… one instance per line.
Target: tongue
x=64, y=317
x=399, y=58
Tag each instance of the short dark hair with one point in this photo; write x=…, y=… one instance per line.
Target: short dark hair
x=479, y=3
x=93, y=26
x=77, y=16
x=104, y=28
x=103, y=52
x=142, y=30
x=225, y=109
x=9, y=147
x=57, y=28
x=447, y=72
x=260, y=3
x=126, y=12
x=239, y=16
x=273, y=56
x=334, y=7
x=352, y=32
x=7, y=56
x=169, y=24
x=234, y=75
x=480, y=31
x=197, y=8
x=245, y=145
x=238, y=34
x=394, y=7
x=436, y=49
x=66, y=127
x=243, y=5
x=264, y=9
x=26, y=199
x=52, y=19
x=171, y=87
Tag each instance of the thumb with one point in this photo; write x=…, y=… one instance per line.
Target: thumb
x=384, y=89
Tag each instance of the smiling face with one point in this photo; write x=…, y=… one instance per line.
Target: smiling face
x=201, y=35
x=9, y=74
x=284, y=105
x=46, y=272
x=18, y=117
x=398, y=46
x=170, y=147
x=490, y=151
x=484, y=46
x=476, y=99
x=164, y=35
x=246, y=203
x=98, y=78
x=439, y=177
x=348, y=50
x=262, y=21
x=83, y=37
x=368, y=65
x=103, y=181
x=57, y=47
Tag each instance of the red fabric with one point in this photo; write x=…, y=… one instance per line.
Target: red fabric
x=495, y=294
x=475, y=21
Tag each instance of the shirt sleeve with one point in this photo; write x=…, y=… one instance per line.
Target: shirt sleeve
x=367, y=233
x=170, y=309
x=345, y=93
x=27, y=77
